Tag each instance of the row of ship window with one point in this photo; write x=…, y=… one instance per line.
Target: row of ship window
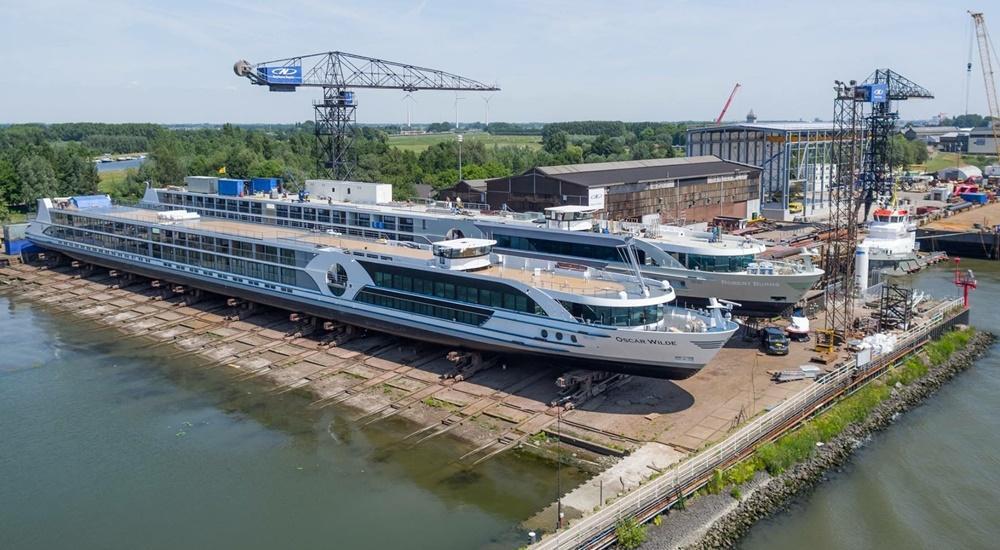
x=636, y=316
x=422, y=308
x=453, y=288
x=262, y=252
x=98, y=239
x=256, y=270
x=563, y=248
x=291, y=212
x=131, y=233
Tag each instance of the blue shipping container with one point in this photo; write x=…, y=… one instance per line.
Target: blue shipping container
x=263, y=185
x=231, y=188
x=15, y=247
x=976, y=198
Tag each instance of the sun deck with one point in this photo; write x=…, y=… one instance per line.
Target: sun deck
x=599, y=284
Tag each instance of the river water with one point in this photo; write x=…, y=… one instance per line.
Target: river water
x=932, y=480
x=108, y=444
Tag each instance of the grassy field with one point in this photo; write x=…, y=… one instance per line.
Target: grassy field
x=111, y=177
x=422, y=142
x=940, y=161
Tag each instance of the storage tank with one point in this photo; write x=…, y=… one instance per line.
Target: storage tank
x=230, y=187
x=861, y=269
x=202, y=184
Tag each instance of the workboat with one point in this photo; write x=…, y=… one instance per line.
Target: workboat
x=892, y=235
x=459, y=292
x=698, y=265
x=891, y=241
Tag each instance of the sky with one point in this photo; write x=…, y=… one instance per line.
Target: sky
x=171, y=61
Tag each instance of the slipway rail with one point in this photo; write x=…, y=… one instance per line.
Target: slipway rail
x=598, y=529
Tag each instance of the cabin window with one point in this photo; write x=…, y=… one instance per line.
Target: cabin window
x=615, y=316
x=439, y=285
x=724, y=264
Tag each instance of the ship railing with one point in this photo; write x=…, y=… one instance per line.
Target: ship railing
x=597, y=529
x=432, y=203
x=778, y=267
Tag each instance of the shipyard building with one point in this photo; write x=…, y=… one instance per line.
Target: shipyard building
x=794, y=160
x=678, y=190
x=982, y=142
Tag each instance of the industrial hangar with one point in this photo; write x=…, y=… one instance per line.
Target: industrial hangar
x=679, y=190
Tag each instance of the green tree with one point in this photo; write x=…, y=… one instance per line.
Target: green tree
x=168, y=168
x=238, y=162
x=38, y=179
x=555, y=142
x=10, y=189
x=75, y=171
x=269, y=168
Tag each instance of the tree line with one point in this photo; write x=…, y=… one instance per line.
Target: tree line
x=33, y=166
x=57, y=160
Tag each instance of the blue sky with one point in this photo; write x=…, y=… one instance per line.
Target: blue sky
x=171, y=61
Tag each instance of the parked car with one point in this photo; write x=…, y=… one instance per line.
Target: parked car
x=774, y=341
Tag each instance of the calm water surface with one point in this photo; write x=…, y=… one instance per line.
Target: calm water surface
x=107, y=444
x=930, y=481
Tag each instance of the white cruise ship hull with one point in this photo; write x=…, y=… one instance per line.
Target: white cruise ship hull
x=758, y=295
x=657, y=354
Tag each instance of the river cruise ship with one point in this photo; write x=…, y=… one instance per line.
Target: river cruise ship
x=699, y=265
x=459, y=292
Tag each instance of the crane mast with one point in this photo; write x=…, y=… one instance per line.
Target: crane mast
x=337, y=73
x=986, y=62
x=728, y=102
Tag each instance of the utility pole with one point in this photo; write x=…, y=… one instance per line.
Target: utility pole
x=486, y=99
x=459, y=137
x=559, y=512
x=408, y=106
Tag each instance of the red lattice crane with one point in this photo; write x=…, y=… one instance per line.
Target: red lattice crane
x=728, y=102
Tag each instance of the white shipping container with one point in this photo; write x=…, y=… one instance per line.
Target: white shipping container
x=350, y=191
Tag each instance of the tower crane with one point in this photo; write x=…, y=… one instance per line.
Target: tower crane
x=337, y=73
x=863, y=123
x=986, y=62
x=876, y=175
x=725, y=107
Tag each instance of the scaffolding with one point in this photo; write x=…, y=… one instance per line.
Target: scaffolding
x=895, y=309
x=849, y=136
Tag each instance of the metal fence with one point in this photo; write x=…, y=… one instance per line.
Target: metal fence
x=597, y=530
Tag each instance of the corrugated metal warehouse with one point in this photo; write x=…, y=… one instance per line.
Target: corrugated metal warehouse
x=794, y=158
x=687, y=189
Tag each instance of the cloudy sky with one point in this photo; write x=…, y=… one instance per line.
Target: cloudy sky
x=171, y=62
